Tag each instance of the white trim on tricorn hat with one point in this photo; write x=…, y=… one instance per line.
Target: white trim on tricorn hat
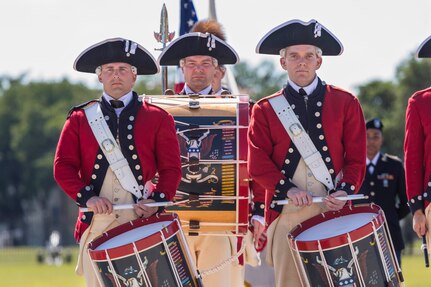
x=116, y=50
x=198, y=44
x=297, y=32
x=424, y=50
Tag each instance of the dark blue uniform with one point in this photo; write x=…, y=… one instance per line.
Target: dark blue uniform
x=386, y=187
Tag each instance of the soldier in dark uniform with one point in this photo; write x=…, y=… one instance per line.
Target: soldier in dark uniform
x=385, y=183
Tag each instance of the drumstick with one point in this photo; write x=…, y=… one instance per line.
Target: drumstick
x=425, y=249
x=170, y=203
x=320, y=198
x=130, y=206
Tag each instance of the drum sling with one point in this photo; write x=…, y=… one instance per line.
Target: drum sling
x=310, y=154
x=117, y=162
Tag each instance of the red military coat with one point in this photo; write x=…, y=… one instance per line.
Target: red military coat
x=417, y=150
x=334, y=121
x=148, y=141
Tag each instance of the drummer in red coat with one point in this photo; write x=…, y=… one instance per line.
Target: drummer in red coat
x=334, y=122
x=417, y=149
x=145, y=135
x=199, y=55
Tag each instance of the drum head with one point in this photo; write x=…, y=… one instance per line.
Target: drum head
x=336, y=226
x=133, y=235
x=142, y=231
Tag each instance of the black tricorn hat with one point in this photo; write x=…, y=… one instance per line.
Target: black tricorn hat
x=116, y=50
x=375, y=123
x=424, y=50
x=297, y=32
x=194, y=44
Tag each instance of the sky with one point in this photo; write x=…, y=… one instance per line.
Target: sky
x=42, y=38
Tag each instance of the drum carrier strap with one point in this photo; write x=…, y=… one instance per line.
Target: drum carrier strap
x=117, y=162
x=301, y=139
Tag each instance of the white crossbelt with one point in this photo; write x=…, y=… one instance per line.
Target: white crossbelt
x=117, y=162
x=301, y=139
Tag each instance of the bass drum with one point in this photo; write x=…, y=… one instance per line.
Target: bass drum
x=212, y=133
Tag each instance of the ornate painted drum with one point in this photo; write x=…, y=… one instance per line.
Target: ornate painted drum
x=350, y=247
x=144, y=252
x=212, y=133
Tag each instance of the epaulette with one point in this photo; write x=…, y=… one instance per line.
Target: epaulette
x=80, y=106
x=390, y=156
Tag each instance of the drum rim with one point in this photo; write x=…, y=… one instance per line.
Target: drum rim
x=338, y=240
x=142, y=244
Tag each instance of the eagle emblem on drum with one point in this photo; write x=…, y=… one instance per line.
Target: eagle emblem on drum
x=342, y=269
x=195, y=145
x=130, y=276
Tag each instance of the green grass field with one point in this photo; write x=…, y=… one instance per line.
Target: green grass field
x=414, y=271
x=19, y=267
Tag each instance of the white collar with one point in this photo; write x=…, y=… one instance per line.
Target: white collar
x=205, y=91
x=308, y=89
x=374, y=160
x=126, y=99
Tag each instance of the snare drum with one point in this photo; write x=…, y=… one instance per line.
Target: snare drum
x=350, y=247
x=212, y=133
x=144, y=252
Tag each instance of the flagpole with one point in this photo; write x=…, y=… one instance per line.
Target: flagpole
x=229, y=78
x=212, y=10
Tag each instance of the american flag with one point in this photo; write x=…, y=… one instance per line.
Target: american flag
x=188, y=18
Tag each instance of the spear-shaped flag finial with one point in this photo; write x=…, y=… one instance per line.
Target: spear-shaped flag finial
x=164, y=36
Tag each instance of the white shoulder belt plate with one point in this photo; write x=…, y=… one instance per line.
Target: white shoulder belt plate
x=117, y=162
x=310, y=154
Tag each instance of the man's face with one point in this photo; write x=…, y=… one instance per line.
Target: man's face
x=374, y=142
x=301, y=63
x=117, y=79
x=198, y=72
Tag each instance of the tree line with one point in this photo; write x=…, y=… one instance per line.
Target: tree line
x=32, y=114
